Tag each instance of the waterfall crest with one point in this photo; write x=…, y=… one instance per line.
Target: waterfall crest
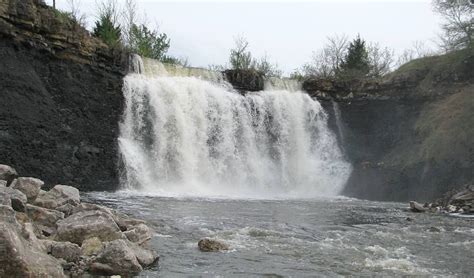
x=188, y=133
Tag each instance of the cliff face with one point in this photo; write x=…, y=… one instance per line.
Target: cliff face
x=61, y=98
x=409, y=136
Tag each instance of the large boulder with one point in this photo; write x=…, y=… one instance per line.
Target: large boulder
x=91, y=246
x=20, y=258
x=7, y=173
x=5, y=199
x=29, y=186
x=44, y=218
x=123, y=221
x=117, y=258
x=139, y=233
x=144, y=256
x=18, y=199
x=70, y=252
x=212, y=245
x=86, y=224
x=417, y=207
x=7, y=214
x=58, y=196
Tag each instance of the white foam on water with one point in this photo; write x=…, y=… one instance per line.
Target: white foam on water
x=183, y=135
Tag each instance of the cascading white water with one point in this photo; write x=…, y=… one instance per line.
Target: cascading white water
x=183, y=135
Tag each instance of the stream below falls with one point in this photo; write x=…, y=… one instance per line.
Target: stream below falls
x=293, y=238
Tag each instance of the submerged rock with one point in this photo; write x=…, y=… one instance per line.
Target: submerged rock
x=29, y=186
x=417, y=207
x=212, y=245
x=86, y=224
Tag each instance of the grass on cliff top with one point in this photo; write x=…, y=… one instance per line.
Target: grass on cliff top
x=453, y=59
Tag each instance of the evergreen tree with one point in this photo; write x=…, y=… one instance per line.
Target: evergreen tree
x=149, y=43
x=356, y=64
x=107, y=30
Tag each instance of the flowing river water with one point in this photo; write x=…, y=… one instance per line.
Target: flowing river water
x=262, y=172
x=295, y=238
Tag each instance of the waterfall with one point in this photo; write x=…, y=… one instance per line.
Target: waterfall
x=187, y=132
x=287, y=84
x=337, y=114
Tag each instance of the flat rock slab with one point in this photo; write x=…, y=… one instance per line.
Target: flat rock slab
x=86, y=224
x=58, y=196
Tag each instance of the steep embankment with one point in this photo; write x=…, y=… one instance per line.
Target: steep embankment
x=61, y=97
x=409, y=136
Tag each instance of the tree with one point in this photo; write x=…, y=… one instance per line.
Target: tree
x=326, y=62
x=266, y=67
x=417, y=50
x=149, y=43
x=54, y=4
x=240, y=57
x=380, y=60
x=107, y=27
x=130, y=19
x=356, y=64
x=458, y=26
x=75, y=13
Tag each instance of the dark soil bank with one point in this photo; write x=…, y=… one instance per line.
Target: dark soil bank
x=61, y=98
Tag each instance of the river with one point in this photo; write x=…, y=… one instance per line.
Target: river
x=298, y=237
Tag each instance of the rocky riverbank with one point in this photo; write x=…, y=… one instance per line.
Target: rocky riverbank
x=460, y=201
x=53, y=234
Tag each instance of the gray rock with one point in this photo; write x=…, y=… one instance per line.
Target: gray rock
x=68, y=251
x=144, y=256
x=17, y=198
x=86, y=224
x=7, y=173
x=5, y=199
x=126, y=222
x=117, y=258
x=3, y=183
x=123, y=221
x=21, y=258
x=28, y=232
x=44, y=218
x=67, y=209
x=29, y=186
x=212, y=245
x=139, y=233
x=417, y=207
x=58, y=196
x=91, y=246
x=7, y=214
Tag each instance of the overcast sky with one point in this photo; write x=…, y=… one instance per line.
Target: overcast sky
x=288, y=31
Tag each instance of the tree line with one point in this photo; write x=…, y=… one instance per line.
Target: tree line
x=120, y=27
x=345, y=59
x=339, y=58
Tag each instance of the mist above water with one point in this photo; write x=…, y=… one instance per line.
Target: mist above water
x=187, y=132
